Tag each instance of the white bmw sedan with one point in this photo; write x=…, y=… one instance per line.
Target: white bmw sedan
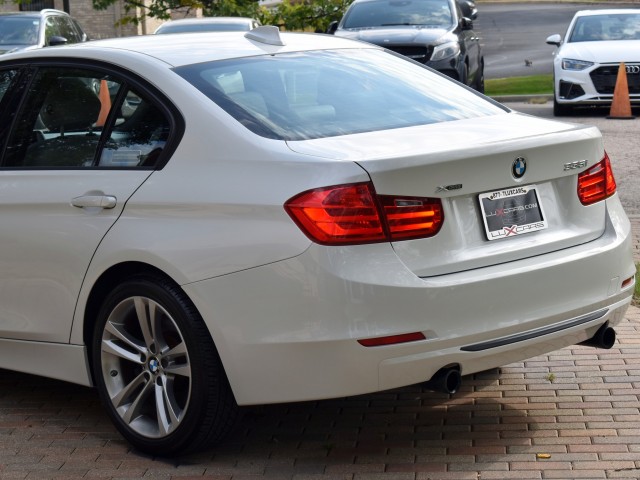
x=585, y=66
x=284, y=217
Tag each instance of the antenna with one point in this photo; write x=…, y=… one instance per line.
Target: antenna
x=268, y=34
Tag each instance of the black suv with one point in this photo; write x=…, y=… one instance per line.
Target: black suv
x=46, y=28
x=433, y=32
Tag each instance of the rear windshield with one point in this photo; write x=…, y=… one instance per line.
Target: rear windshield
x=315, y=94
x=382, y=13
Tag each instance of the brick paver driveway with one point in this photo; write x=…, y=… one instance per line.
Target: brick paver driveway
x=571, y=414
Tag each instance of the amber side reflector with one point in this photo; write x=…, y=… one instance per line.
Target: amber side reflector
x=628, y=281
x=392, y=339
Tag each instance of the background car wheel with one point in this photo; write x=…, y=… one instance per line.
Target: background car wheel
x=560, y=110
x=464, y=76
x=479, y=85
x=157, y=369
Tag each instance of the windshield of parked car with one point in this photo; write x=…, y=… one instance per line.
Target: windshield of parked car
x=594, y=28
x=315, y=94
x=204, y=27
x=381, y=13
x=17, y=30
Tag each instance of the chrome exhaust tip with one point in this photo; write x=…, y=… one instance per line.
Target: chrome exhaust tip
x=447, y=380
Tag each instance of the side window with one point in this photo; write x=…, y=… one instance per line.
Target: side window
x=77, y=118
x=81, y=34
x=67, y=30
x=51, y=29
x=6, y=77
x=59, y=123
x=9, y=97
x=138, y=136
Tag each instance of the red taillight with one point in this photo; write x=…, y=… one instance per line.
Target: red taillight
x=340, y=215
x=597, y=183
x=411, y=217
x=353, y=214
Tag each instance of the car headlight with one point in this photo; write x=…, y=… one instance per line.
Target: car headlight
x=446, y=50
x=569, y=64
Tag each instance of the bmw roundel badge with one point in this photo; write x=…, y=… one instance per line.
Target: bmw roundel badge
x=519, y=167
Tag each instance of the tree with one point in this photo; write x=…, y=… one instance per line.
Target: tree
x=306, y=15
x=136, y=10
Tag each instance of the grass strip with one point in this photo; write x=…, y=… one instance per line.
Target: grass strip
x=531, y=85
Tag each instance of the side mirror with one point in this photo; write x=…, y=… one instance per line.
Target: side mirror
x=466, y=23
x=333, y=26
x=555, y=39
x=468, y=10
x=56, y=40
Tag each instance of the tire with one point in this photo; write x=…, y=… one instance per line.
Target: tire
x=560, y=110
x=464, y=77
x=479, y=83
x=157, y=370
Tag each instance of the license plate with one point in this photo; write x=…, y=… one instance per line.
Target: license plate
x=511, y=212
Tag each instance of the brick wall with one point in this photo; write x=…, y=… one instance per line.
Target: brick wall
x=97, y=23
x=100, y=23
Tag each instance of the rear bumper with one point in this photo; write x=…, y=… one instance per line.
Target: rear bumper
x=294, y=336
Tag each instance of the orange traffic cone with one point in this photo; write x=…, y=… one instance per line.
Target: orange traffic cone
x=105, y=103
x=621, y=106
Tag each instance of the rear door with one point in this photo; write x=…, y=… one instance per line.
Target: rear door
x=83, y=140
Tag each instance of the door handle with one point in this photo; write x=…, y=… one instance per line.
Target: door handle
x=95, y=201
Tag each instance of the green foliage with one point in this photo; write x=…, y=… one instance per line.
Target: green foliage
x=135, y=10
x=304, y=15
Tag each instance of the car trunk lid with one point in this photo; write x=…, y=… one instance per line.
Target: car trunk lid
x=463, y=163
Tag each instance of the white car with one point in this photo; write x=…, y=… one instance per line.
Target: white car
x=208, y=24
x=285, y=217
x=585, y=66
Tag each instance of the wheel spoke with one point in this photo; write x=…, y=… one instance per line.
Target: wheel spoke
x=177, y=351
x=166, y=406
x=121, y=334
x=132, y=412
x=183, y=370
x=180, y=367
x=109, y=346
x=145, y=311
x=124, y=395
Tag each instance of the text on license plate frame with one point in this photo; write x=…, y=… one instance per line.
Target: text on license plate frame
x=511, y=212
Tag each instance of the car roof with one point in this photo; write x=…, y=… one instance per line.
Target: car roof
x=177, y=49
x=38, y=14
x=607, y=11
x=185, y=21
